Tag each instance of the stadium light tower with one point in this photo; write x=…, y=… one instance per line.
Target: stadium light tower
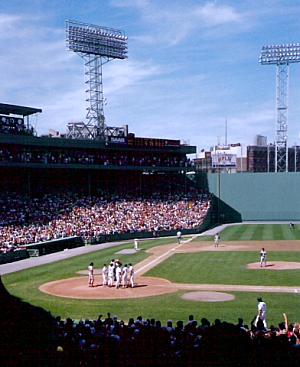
x=96, y=45
x=281, y=56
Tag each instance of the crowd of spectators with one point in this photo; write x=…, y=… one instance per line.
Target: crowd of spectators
x=146, y=342
x=108, y=341
x=20, y=155
x=30, y=220
x=31, y=336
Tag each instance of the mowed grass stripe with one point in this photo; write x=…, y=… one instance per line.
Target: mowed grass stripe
x=233, y=233
x=226, y=268
x=260, y=232
x=278, y=232
x=291, y=234
x=267, y=232
x=249, y=232
x=296, y=232
x=287, y=233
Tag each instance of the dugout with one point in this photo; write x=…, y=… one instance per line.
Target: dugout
x=48, y=247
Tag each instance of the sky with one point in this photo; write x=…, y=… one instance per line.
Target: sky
x=192, y=65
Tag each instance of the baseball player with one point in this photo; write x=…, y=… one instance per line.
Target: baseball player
x=125, y=276
x=111, y=275
x=261, y=312
x=178, y=237
x=131, y=275
x=118, y=275
x=91, y=274
x=217, y=239
x=263, y=257
x=104, y=275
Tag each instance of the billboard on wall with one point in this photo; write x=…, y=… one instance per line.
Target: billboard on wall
x=222, y=159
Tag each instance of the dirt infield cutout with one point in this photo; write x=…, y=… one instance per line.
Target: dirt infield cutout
x=77, y=287
x=275, y=265
x=207, y=296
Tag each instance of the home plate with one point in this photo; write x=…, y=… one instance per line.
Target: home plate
x=207, y=296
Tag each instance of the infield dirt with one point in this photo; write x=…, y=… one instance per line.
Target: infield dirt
x=77, y=287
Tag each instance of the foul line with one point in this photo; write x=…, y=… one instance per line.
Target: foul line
x=157, y=259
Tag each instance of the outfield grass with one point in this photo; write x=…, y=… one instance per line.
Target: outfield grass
x=204, y=267
x=226, y=268
x=164, y=307
x=260, y=232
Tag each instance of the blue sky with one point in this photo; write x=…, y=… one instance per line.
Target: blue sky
x=191, y=65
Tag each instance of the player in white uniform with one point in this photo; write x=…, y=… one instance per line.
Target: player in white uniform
x=91, y=274
x=263, y=257
x=111, y=275
x=261, y=312
x=118, y=275
x=131, y=275
x=125, y=276
x=104, y=275
x=217, y=239
x=178, y=235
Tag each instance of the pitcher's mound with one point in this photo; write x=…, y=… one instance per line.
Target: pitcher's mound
x=275, y=265
x=207, y=296
x=78, y=288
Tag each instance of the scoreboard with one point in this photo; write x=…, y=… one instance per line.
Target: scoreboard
x=11, y=124
x=151, y=142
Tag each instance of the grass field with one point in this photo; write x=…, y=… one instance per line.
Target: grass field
x=225, y=268
x=261, y=232
x=204, y=267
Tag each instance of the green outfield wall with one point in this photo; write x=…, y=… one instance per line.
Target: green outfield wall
x=253, y=196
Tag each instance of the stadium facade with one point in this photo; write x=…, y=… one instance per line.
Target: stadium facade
x=32, y=164
x=117, y=166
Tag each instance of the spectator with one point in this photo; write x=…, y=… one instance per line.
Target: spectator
x=24, y=221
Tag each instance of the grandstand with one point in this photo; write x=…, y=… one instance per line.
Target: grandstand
x=52, y=193
x=51, y=187
x=85, y=164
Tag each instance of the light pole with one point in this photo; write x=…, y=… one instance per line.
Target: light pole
x=96, y=45
x=281, y=56
x=295, y=157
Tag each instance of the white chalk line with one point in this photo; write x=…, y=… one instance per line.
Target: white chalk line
x=214, y=287
x=166, y=254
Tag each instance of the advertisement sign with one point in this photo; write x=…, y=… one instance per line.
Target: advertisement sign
x=11, y=124
x=222, y=159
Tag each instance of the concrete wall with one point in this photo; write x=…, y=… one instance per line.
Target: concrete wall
x=254, y=196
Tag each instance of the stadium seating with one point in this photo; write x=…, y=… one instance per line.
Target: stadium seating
x=31, y=220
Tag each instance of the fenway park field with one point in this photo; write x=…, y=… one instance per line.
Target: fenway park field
x=175, y=280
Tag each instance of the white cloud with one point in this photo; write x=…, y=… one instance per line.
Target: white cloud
x=214, y=15
x=8, y=25
x=7, y=20
x=138, y=4
x=119, y=75
x=174, y=23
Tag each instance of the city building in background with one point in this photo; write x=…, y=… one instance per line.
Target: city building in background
x=230, y=158
x=262, y=158
x=236, y=158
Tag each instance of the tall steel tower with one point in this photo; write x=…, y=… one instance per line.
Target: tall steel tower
x=281, y=56
x=96, y=45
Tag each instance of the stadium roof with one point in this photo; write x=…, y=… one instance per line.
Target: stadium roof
x=8, y=109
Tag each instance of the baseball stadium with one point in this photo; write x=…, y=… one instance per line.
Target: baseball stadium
x=117, y=251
